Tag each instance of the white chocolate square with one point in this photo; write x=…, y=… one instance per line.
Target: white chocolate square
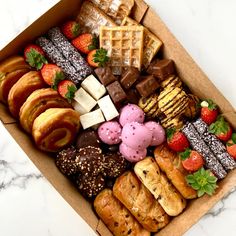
x=93, y=87
x=108, y=108
x=85, y=103
x=92, y=118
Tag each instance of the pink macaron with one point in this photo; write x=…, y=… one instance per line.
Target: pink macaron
x=131, y=113
x=110, y=132
x=131, y=154
x=136, y=136
x=158, y=133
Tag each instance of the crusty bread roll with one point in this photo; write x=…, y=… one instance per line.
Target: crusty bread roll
x=170, y=163
x=140, y=202
x=116, y=217
x=11, y=70
x=169, y=198
x=19, y=92
x=55, y=128
x=38, y=102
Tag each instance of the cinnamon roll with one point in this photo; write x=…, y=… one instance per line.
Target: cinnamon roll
x=18, y=94
x=38, y=102
x=55, y=128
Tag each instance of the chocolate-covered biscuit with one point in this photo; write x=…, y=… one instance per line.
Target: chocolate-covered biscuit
x=90, y=161
x=114, y=165
x=65, y=161
x=116, y=92
x=87, y=138
x=161, y=68
x=147, y=86
x=90, y=185
x=129, y=77
x=105, y=75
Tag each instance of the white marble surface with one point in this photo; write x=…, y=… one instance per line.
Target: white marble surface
x=29, y=205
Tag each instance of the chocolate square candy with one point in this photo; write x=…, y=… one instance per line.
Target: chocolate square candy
x=116, y=92
x=147, y=86
x=161, y=68
x=129, y=77
x=133, y=96
x=105, y=75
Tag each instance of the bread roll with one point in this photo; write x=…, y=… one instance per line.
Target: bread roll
x=19, y=92
x=55, y=128
x=116, y=217
x=38, y=102
x=170, y=163
x=140, y=202
x=169, y=198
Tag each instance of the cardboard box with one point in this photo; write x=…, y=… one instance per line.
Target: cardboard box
x=190, y=73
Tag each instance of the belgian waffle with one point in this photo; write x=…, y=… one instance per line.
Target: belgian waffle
x=91, y=18
x=124, y=45
x=151, y=43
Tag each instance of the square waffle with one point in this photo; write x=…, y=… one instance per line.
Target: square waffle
x=116, y=9
x=151, y=43
x=91, y=18
x=124, y=45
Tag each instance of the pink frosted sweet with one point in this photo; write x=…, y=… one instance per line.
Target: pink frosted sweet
x=131, y=154
x=131, y=113
x=110, y=132
x=136, y=135
x=158, y=133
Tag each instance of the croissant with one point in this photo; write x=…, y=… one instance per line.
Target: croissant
x=38, y=102
x=18, y=94
x=55, y=128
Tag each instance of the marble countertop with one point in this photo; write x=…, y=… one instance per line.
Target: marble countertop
x=29, y=205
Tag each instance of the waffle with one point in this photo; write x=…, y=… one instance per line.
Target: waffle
x=124, y=45
x=91, y=18
x=151, y=43
x=116, y=9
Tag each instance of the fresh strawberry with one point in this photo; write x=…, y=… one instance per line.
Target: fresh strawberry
x=191, y=160
x=209, y=111
x=70, y=29
x=35, y=56
x=221, y=129
x=52, y=75
x=231, y=146
x=85, y=43
x=98, y=57
x=67, y=89
x=176, y=140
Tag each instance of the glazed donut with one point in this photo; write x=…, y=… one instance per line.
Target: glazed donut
x=55, y=128
x=18, y=94
x=38, y=102
x=11, y=70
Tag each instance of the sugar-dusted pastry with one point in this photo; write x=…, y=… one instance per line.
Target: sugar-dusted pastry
x=116, y=217
x=90, y=18
x=93, y=87
x=169, y=198
x=92, y=118
x=38, y=102
x=55, y=128
x=19, y=92
x=152, y=44
x=140, y=202
x=116, y=9
x=170, y=163
x=11, y=70
x=124, y=45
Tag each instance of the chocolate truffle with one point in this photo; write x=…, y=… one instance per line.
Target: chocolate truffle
x=87, y=138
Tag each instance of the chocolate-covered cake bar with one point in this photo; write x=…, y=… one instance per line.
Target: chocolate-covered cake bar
x=217, y=147
x=200, y=146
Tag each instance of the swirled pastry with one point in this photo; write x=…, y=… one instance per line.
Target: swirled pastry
x=18, y=94
x=11, y=70
x=55, y=128
x=38, y=102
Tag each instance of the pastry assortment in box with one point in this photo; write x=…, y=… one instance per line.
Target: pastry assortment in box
x=122, y=125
